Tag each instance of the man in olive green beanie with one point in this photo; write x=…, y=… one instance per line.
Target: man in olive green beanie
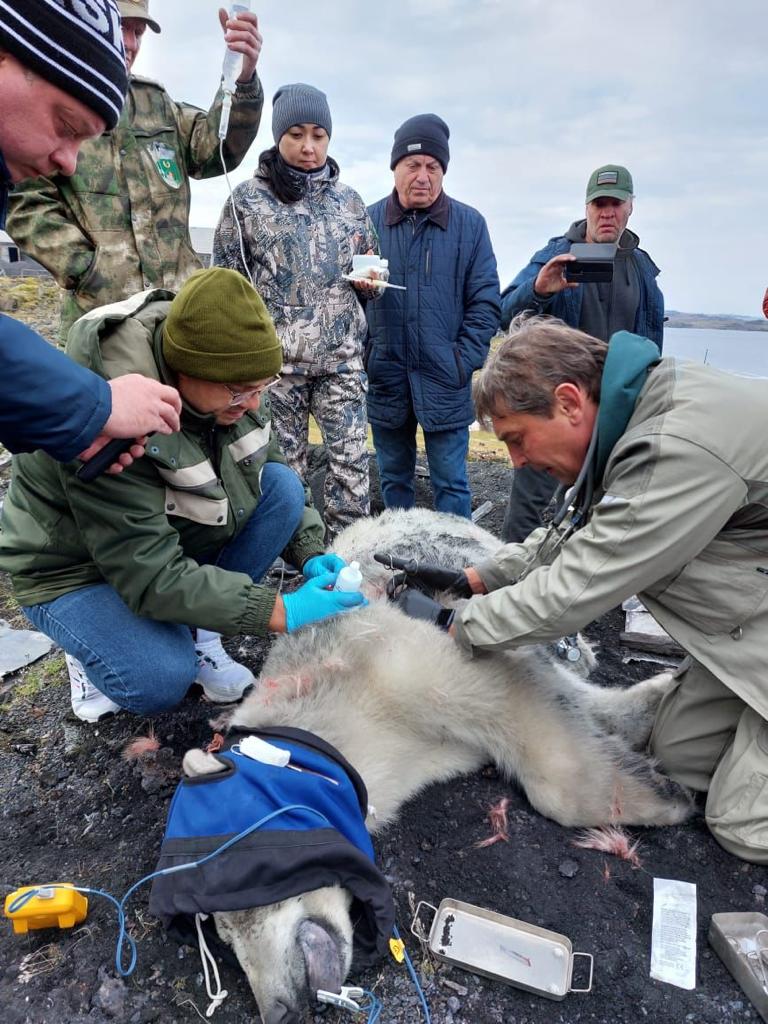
x=218, y=329
x=118, y=570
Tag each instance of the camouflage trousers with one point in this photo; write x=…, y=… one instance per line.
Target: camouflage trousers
x=337, y=402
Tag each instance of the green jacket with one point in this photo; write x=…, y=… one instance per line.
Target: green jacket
x=145, y=530
x=120, y=224
x=680, y=518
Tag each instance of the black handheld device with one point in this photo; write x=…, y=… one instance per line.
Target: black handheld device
x=426, y=577
x=103, y=459
x=593, y=263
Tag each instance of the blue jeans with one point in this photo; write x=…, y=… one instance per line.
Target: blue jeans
x=147, y=666
x=446, y=458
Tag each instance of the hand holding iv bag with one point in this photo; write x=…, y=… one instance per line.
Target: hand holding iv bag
x=230, y=70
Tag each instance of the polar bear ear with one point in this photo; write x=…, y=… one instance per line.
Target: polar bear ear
x=198, y=762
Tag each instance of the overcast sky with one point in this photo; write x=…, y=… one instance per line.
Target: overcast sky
x=537, y=93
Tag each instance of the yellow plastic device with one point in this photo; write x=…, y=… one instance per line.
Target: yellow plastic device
x=55, y=905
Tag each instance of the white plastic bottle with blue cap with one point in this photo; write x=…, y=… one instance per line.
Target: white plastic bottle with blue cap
x=350, y=579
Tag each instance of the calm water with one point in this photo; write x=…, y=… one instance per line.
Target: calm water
x=744, y=352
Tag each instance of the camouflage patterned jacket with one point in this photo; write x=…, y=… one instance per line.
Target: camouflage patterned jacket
x=296, y=254
x=120, y=224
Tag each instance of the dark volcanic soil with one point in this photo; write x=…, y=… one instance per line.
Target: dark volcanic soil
x=73, y=810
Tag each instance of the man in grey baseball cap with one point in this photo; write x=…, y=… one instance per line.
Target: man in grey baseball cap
x=612, y=181
x=631, y=301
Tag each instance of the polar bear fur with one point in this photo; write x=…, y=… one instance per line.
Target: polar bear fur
x=407, y=708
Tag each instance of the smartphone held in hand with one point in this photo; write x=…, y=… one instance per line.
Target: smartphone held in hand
x=593, y=262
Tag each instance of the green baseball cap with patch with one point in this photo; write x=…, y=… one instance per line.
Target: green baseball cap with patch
x=610, y=180
x=137, y=9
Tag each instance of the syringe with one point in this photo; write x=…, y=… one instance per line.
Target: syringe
x=230, y=70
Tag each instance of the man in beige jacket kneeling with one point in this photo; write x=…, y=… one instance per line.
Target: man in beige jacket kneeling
x=668, y=470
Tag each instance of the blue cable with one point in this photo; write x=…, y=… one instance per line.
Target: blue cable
x=22, y=900
x=414, y=978
x=123, y=937
x=374, y=1005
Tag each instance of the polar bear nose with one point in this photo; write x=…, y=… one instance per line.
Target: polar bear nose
x=322, y=956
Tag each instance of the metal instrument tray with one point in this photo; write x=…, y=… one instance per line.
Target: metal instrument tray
x=741, y=942
x=502, y=948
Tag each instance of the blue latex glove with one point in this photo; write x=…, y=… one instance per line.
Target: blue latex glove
x=319, y=564
x=313, y=602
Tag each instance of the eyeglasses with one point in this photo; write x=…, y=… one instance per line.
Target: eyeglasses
x=241, y=397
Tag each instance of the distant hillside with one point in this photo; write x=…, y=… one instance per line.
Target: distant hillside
x=716, y=321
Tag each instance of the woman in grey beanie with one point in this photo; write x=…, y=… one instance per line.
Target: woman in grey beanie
x=300, y=228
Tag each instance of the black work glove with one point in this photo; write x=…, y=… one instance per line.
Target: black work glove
x=426, y=577
x=418, y=606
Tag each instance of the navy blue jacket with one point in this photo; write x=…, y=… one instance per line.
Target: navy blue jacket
x=425, y=343
x=47, y=401
x=519, y=296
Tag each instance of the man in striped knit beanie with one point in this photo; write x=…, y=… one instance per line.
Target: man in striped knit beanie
x=63, y=80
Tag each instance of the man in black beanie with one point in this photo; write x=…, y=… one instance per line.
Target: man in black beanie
x=426, y=341
x=62, y=81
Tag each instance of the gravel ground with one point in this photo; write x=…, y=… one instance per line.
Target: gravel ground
x=74, y=810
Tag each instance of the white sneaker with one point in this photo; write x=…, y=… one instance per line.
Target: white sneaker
x=222, y=679
x=88, y=703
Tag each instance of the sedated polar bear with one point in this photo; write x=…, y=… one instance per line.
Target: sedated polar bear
x=388, y=691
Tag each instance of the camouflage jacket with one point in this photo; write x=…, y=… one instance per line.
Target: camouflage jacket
x=120, y=224
x=146, y=531
x=296, y=254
